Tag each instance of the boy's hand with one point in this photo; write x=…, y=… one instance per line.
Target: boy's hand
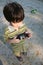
x=28, y=33
x=13, y=41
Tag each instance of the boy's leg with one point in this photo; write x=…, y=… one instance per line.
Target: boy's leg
x=17, y=52
x=24, y=49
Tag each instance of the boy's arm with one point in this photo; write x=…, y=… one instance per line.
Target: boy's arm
x=14, y=40
x=29, y=33
x=8, y=38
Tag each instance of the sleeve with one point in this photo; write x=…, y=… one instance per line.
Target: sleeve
x=28, y=30
x=28, y=33
x=6, y=33
x=9, y=33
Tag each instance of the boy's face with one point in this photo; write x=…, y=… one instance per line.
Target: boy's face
x=16, y=23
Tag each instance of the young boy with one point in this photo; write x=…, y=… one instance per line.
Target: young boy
x=17, y=31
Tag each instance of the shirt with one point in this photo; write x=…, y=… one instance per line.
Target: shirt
x=11, y=32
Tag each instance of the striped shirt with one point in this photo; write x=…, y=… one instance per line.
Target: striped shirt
x=11, y=32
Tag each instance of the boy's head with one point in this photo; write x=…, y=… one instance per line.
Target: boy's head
x=13, y=12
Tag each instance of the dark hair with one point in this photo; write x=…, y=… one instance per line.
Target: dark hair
x=13, y=12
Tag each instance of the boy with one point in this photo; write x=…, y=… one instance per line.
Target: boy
x=16, y=32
